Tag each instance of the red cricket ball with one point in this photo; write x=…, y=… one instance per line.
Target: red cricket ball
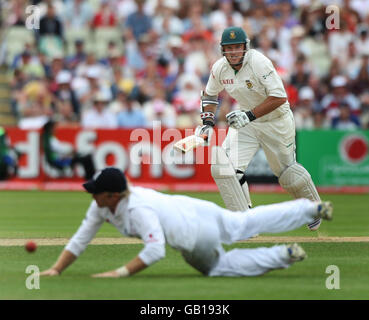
x=31, y=246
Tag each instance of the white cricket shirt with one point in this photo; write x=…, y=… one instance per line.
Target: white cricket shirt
x=251, y=85
x=154, y=217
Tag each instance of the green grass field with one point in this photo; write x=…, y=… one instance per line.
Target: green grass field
x=34, y=214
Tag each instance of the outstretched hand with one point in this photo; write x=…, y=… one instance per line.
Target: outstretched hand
x=108, y=274
x=50, y=272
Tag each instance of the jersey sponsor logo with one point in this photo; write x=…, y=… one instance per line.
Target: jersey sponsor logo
x=227, y=81
x=249, y=84
x=267, y=75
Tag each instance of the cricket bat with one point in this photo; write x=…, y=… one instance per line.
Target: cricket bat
x=189, y=143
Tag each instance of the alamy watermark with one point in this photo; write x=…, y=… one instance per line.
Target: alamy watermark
x=33, y=280
x=333, y=280
x=332, y=22
x=33, y=17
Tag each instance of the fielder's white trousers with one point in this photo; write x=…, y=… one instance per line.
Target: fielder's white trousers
x=226, y=226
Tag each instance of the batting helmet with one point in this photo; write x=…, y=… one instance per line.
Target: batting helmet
x=233, y=35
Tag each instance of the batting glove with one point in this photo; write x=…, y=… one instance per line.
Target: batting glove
x=239, y=118
x=206, y=132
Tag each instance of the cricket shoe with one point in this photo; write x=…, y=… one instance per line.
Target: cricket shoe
x=325, y=210
x=295, y=253
x=315, y=224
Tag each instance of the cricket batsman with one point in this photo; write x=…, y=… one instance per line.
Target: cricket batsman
x=196, y=228
x=263, y=119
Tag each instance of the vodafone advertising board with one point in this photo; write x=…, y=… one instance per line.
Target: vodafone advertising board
x=146, y=156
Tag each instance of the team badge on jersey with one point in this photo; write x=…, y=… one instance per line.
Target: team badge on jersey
x=232, y=35
x=248, y=84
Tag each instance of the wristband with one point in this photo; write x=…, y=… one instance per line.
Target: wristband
x=122, y=271
x=250, y=115
x=207, y=114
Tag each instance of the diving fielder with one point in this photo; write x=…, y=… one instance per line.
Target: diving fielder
x=264, y=119
x=196, y=228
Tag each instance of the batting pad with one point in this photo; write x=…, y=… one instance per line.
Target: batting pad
x=224, y=176
x=297, y=181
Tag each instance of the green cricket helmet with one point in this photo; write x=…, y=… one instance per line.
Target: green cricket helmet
x=234, y=35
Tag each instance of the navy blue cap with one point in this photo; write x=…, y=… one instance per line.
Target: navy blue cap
x=108, y=180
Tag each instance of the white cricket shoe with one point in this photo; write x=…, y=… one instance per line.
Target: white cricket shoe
x=295, y=252
x=325, y=210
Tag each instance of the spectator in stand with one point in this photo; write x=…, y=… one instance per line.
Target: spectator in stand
x=99, y=116
x=300, y=75
x=256, y=17
x=34, y=105
x=339, y=95
x=149, y=81
x=121, y=83
x=30, y=65
x=131, y=114
x=139, y=23
x=138, y=52
x=65, y=97
x=303, y=112
x=14, y=14
x=364, y=117
x=225, y=16
x=166, y=22
x=195, y=13
x=361, y=74
x=338, y=41
x=320, y=121
x=158, y=109
x=187, y=101
x=105, y=16
x=77, y=14
x=125, y=8
x=352, y=65
x=50, y=24
x=362, y=42
x=346, y=120
x=78, y=57
x=17, y=85
x=93, y=86
x=196, y=61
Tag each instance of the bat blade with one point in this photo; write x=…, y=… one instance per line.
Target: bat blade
x=189, y=143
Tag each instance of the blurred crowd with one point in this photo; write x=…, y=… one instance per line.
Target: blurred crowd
x=78, y=72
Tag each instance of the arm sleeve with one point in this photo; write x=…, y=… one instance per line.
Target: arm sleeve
x=214, y=86
x=268, y=77
x=88, y=229
x=147, y=226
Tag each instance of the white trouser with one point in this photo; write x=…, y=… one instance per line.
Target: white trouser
x=224, y=226
x=276, y=137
